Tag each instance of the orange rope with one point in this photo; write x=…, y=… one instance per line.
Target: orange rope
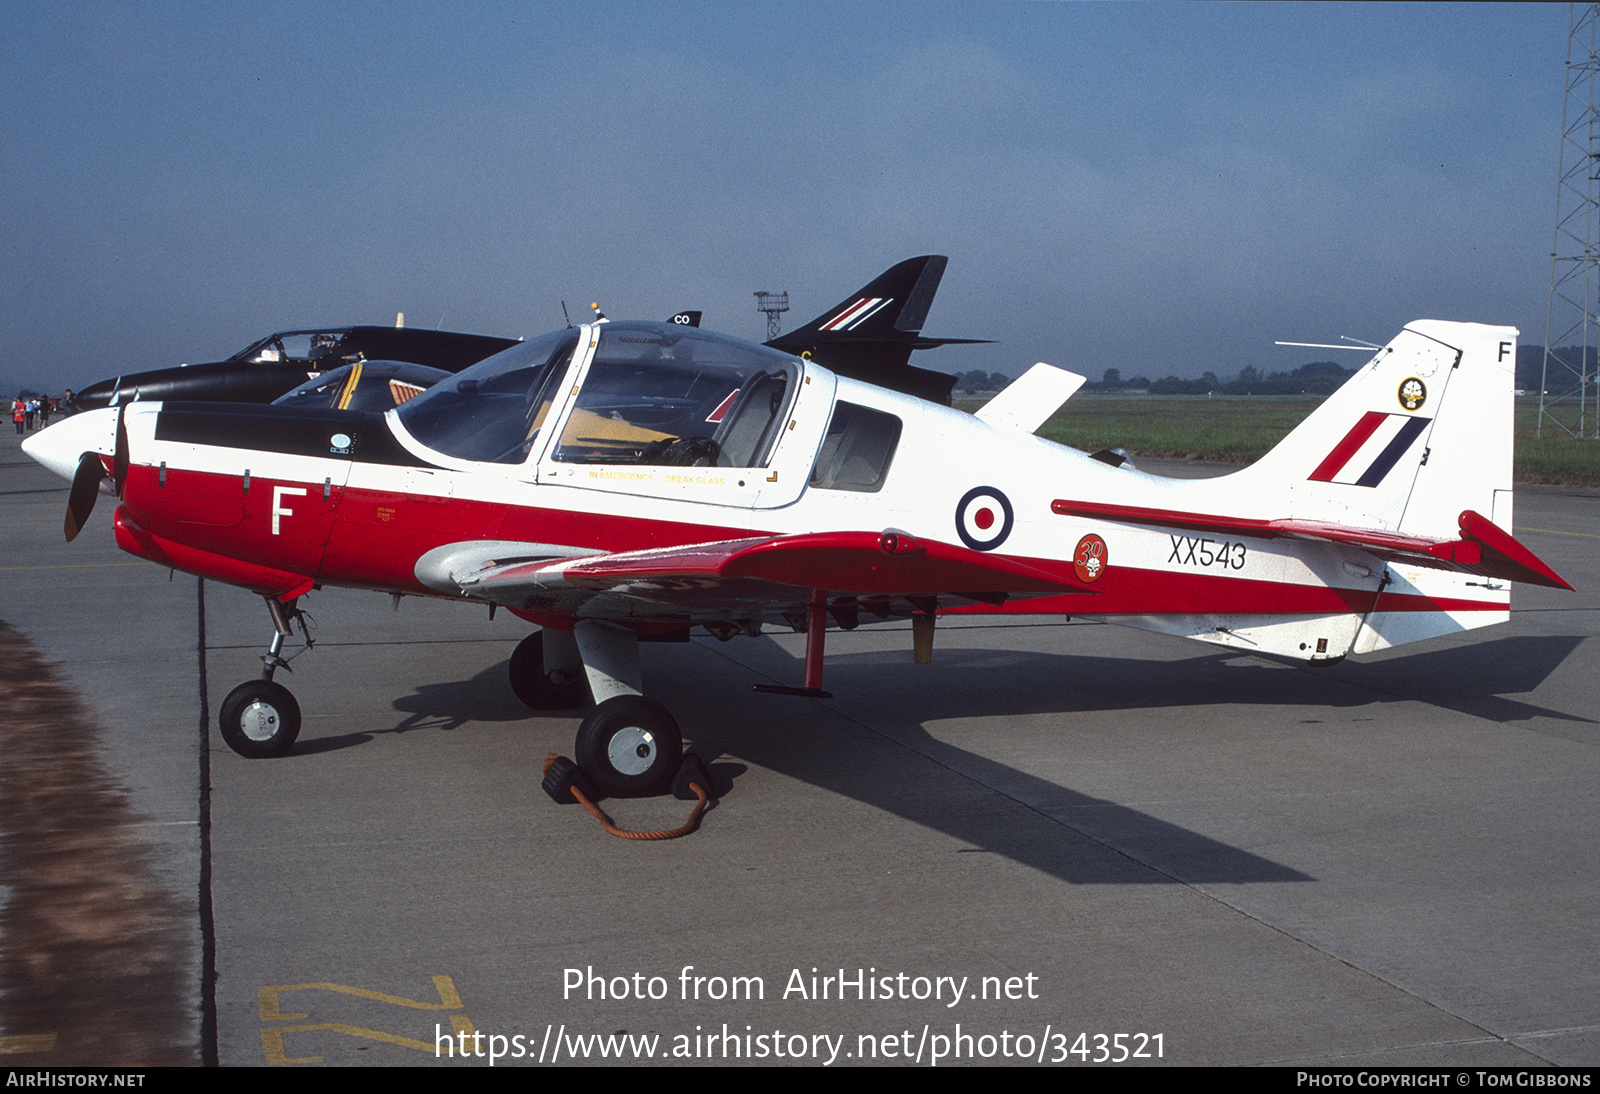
x=622, y=833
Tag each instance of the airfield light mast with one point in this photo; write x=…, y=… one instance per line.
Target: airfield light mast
x=1567, y=396
x=774, y=304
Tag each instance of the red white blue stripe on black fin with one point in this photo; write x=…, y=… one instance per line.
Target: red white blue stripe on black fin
x=857, y=313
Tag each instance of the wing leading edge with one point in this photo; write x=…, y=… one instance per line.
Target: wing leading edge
x=776, y=573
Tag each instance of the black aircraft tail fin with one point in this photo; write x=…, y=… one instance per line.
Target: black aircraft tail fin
x=893, y=305
x=870, y=334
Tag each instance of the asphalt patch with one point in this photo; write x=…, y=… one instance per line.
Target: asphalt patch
x=98, y=965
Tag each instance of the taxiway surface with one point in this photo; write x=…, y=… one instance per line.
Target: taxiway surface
x=1391, y=861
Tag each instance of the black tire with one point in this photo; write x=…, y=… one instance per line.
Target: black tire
x=629, y=746
x=534, y=687
x=260, y=719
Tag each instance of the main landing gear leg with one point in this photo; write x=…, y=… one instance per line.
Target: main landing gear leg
x=628, y=745
x=260, y=718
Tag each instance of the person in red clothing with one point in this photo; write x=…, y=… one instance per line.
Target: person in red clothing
x=19, y=413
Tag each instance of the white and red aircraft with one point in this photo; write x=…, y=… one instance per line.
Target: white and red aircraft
x=625, y=481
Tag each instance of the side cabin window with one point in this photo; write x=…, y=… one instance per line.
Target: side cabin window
x=493, y=411
x=857, y=450
x=666, y=396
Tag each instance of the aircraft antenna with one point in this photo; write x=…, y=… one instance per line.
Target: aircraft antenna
x=774, y=304
x=1567, y=394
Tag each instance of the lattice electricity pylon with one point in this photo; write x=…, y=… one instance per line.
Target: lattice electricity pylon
x=774, y=304
x=1572, y=325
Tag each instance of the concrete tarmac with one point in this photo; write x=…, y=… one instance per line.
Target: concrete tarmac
x=1058, y=843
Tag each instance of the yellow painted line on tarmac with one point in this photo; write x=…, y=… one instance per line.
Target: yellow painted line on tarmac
x=77, y=566
x=449, y=999
x=27, y=1042
x=1554, y=532
x=272, y=1037
x=276, y=1053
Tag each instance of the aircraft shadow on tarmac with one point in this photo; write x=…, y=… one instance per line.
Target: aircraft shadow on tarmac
x=991, y=684
x=487, y=697
x=1076, y=837
x=1474, y=679
x=1470, y=679
x=956, y=793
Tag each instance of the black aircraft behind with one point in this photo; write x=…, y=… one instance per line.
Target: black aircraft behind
x=268, y=368
x=868, y=336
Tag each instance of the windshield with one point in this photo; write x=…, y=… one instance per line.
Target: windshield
x=492, y=411
x=670, y=395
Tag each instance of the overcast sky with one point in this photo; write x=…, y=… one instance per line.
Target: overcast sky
x=1155, y=188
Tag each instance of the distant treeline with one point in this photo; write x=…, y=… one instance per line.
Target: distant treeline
x=1325, y=377
x=1316, y=378
x=979, y=380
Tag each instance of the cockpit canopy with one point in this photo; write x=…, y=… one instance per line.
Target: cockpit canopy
x=364, y=385
x=654, y=394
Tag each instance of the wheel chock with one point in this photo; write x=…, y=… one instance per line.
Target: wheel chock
x=566, y=783
x=692, y=770
x=562, y=777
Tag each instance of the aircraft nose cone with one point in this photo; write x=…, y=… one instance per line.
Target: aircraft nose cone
x=60, y=446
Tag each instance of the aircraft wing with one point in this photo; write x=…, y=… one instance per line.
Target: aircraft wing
x=1483, y=548
x=771, y=573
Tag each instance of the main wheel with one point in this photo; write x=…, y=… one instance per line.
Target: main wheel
x=259, y=719
x=541, y=690
x=629, y=746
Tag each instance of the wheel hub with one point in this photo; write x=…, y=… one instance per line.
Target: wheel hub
x=632, y=750
x=259, y=721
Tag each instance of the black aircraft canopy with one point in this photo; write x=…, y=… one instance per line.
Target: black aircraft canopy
x=271, y=366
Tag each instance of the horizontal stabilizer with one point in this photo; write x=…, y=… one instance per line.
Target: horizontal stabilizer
x=1028, y=401
x=1484, y=548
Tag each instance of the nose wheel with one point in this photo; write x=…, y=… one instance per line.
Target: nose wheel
x=260, y=718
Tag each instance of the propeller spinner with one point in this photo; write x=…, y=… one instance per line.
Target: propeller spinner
x=74, y=448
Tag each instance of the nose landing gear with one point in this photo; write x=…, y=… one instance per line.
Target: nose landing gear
x=260, y=718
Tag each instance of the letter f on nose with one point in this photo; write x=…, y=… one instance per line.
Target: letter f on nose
x=278, y=510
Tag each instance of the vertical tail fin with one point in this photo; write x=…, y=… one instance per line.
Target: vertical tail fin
x=1419, y=435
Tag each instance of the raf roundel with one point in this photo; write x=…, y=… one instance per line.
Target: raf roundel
x=983, y=518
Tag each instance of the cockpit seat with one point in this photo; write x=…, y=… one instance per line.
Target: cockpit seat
x=747, y=430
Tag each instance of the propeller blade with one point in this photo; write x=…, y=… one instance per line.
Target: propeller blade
x=85, y=488
x=119, y=461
